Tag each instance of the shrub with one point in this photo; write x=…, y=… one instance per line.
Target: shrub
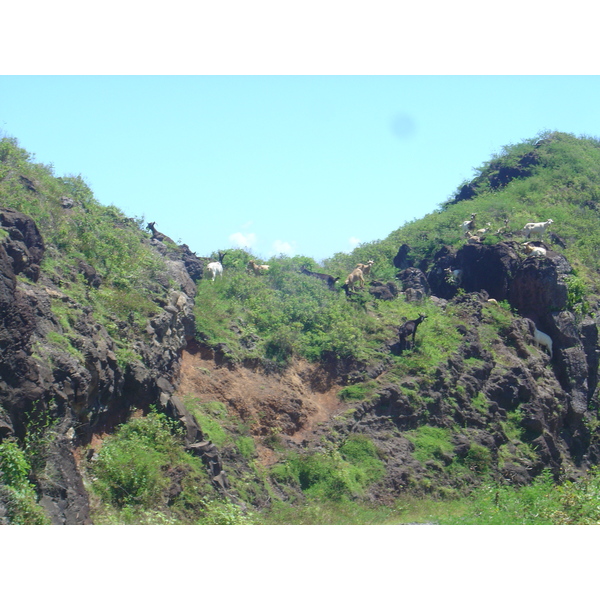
x=17, y=494
x=129, y=473
x=14, y=467
x=224, y=512
x=431, y=443
x=246, y=447
x=336, y=474
x=130, y=465
x=353, y=393
x=478, y=458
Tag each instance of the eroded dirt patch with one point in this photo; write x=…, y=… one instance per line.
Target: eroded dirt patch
x=292, y=402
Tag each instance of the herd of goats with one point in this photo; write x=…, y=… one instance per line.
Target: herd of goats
x=357, y=277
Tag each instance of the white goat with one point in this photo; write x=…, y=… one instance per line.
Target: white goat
x=468, y=225
x=542, y=339
x=215, y=268
x=532, y=250
x=538, y=228
x=366, y=269
x=258, y=269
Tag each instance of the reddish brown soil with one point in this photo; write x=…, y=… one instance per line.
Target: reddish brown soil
x=291, y=403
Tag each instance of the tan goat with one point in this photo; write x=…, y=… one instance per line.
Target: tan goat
x=366, y=269
x=258, y=269
x=354, y=277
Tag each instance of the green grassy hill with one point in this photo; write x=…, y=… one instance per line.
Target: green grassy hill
x=416, y=424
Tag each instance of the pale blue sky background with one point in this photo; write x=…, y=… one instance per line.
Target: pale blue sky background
x=309, y=165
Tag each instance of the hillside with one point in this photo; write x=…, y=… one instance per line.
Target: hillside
x=135, y=389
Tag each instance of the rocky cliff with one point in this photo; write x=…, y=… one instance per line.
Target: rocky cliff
x=69, y=372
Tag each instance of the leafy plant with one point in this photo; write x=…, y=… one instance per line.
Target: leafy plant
x=17, y=493
x=431, y=443
x=132, y=473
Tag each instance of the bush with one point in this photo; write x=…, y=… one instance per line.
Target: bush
x=478, y=458
x=14, y=467
x=334, y=475
x=431, y=443
x=17, y=494
x=130, y=465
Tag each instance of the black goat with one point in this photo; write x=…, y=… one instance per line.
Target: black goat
x=157, y=235
x=409, y=329
x=328, y=279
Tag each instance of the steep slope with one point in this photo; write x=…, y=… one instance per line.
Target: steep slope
x=280, y=387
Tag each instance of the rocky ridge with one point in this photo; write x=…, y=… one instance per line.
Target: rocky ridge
x=88, y=391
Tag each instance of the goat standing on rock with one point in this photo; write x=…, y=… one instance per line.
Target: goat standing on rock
x=157, y=235
x=355, y=277
x=468, y=225
x=366, y=268
x=542, y=339
x=538, y=228
x=409, y=329
x=532, y=250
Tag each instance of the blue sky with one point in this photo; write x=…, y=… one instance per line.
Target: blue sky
x=309, y=165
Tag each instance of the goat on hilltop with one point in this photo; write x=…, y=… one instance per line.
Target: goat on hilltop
x=366, y=268
x=532, y=250
x=355, y=277
x=216, y=268
x=468, y=225
x=257, y=269
x=157, y=235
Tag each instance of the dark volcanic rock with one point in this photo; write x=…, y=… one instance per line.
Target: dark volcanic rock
x=488, y=268
x=402, y=260
x=383, y=291
x=24, y=244
x=69, y=372
x=539, y=287
x=414, y=284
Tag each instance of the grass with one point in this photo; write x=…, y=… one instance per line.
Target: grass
x=336, y=474
x=431, y=443
x=542, y=503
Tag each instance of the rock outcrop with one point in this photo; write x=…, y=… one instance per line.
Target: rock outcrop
x=74, y=377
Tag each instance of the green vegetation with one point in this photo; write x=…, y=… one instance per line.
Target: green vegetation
x=100, y=236
x=541, y=503
x=143, y=475
x=338, y=474
x=17, y=493
x=281, y=314
x=431, y=443
x=142, y=472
